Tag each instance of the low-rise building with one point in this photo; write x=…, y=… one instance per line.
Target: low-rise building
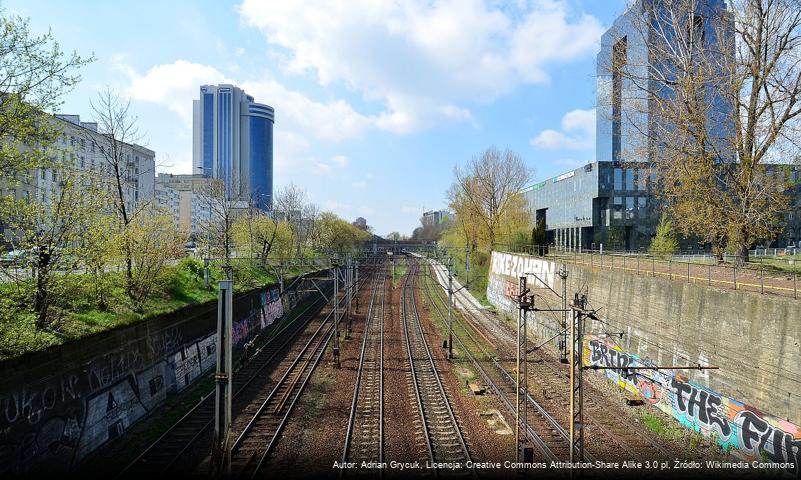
x=436, y=217
x=615, y=204
x=192, y=208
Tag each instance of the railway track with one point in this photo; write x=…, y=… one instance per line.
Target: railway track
x=364, y=440
x=265, y=419
x=540, y=428
x=443, y=436
x=617, y=436
x=165, y=452
x=259, y=436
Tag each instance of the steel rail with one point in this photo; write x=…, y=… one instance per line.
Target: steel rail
x=206, y=398
x=603, y=428
x=440, y=389
x=535, y=438
x=371, y=317
x=305, y=372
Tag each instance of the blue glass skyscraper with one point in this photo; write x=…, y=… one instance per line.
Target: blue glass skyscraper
x=233, y=141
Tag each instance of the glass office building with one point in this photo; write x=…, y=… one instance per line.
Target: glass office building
x=609, y=203
x=233, y=141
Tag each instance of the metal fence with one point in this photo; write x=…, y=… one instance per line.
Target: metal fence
x=757, y=277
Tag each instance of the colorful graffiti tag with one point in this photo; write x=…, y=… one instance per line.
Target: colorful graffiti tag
x=749, y=432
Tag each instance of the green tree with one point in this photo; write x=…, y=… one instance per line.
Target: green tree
x=34, y=76
x=154, y=241
x=51, y=231
x=539, y=236
x=666, y=241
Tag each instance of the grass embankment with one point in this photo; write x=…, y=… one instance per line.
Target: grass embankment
x=80, y=307
x=479, y=270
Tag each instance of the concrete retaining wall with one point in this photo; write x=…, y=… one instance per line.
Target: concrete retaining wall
x=59, y=405
x=751, y=404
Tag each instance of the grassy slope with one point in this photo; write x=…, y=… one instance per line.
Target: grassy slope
x=77, y=312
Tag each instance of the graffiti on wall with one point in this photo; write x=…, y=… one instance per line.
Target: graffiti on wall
x=745, y=429
x=55, y=423
x=539, y=273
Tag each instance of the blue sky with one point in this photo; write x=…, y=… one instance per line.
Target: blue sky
x=376, y=101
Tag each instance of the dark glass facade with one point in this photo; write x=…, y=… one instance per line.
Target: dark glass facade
x=208, y=133
x=609, y=203
x=261, y=161
x=233, y=141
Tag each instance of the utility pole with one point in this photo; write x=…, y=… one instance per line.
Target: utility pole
x=335, y=270
x=563, y=341
x=222, y=397
x=524, y=304
x=350, y=294
x=577, y=367
x=467, y=265
x=450, y=308
x=357, y=283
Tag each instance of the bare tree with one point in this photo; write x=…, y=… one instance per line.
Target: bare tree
x=487, y=189
x=219, y=227
x=289, y=205
x=255, y=232
x=117, y=128
x=713, y=94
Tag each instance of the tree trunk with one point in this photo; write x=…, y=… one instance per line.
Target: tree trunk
x=41, y=299
x=741, y=253
x=129, y=281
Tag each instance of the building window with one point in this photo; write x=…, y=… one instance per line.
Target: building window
x=44, y=174
x=629, y=208
x=82, y=162
x=618, y=185
x=642, y=179
x=83, y=144
x=72, y=141
x=630, y=179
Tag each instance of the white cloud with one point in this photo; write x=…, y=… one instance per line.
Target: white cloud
x=409, y=210
x=422, y=59
x=359, y=184
x=578, y=132
x=340, y=161
x=174, y=85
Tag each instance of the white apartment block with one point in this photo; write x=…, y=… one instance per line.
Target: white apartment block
x=192, y=206
x=80, y=145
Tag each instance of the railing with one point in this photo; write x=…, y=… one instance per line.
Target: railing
x=755, y=277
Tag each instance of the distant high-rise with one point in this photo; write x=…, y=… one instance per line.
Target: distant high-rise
x=233, y=141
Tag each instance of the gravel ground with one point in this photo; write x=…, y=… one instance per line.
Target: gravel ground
x=484, y=443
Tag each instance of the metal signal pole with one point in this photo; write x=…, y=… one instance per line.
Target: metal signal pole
x=349, y=292
x=222, y=398
x=521, y=411
x=467, y=265
x=450, y=308
x=335, y=270
x=577, y=367
x=563, y=342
